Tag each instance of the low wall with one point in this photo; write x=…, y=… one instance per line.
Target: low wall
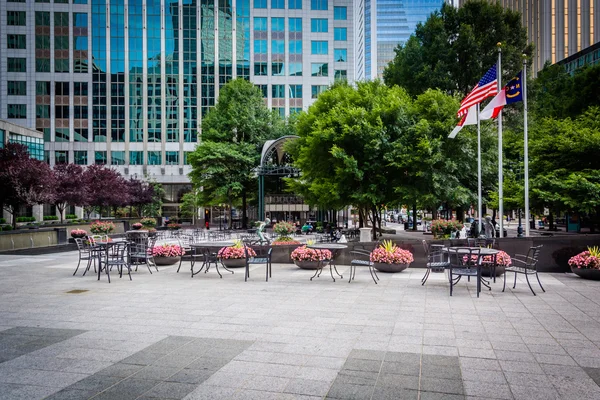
x=547, y=263
x=44, y=237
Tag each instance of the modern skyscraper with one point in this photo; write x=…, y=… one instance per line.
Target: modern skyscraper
x=126, y=82
x=557, y=28
x=388, y=23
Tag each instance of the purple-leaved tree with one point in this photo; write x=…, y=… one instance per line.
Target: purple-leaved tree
x=69, y=187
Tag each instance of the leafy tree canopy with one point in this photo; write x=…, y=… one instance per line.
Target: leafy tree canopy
x=454, y=48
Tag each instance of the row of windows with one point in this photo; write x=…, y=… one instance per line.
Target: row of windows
x=18, y=111
x=295, y=91
x=16, y=18
x=118, y=157
x=292, y=4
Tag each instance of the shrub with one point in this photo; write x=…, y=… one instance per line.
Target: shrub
x=389, y=253
x=168, y=250
x=589, y=259
x=50, y=218
x=6, y=228
x=148, y=222
x=443, y=228
x=70, y=216
x=103, y=228
x=303, y=253
x=2, y=221
x=25, y=219
x=283, y=229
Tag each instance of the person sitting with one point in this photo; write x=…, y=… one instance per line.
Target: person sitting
x=307, y=228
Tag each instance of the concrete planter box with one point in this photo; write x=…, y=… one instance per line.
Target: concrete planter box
x=587, y=273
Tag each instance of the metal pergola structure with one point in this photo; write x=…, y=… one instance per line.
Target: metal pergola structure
x=274, y=161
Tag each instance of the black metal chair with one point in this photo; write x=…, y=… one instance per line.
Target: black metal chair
x=464, y=261
x=86, y=253
x=362, y=258
x=436, y=260
x=114, y=255
x=262, y=255
x=527, y=265
x=140, y=252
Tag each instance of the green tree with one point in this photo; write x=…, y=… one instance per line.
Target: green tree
x=454, y=48
x=345, y=139
x=154, y=208
x=564, y=164
x=232, y=136
x=191, y=203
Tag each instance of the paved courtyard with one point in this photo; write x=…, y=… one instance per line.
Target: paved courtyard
x=169, y=336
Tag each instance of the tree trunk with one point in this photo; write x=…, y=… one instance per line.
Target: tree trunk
x=374, y=220
x=244, y=206
x=494, y=216
x=550, y=220
x=460, y=214
x=434, y=214
x=414, y=227
x=60, y=209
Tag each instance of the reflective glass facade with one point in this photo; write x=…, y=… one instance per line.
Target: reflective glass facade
x=126, y=83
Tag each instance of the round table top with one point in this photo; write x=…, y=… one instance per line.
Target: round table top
x=212, y=244
x=328, y=246
x=484, y=251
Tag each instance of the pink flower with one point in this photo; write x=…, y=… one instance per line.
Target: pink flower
x=167, y=250
x=233, y=252
x=585, y=260
x=303, y=253
x=397, y=256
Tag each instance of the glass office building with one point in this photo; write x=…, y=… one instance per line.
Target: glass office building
x=126, y=83
x=388, y=23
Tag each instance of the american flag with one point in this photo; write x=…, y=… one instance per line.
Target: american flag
x=487, y=87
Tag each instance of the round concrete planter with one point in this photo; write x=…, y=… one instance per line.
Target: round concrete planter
x=307, y=264
x=383, y=267
x=587, y=273
x=166, y=260
x=234, y=262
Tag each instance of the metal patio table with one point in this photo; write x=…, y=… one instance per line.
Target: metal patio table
x=210, y=251
x=334, y=248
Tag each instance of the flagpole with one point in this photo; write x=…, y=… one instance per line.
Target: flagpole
x=526, y=148
x=478, y=173
x=500, y=167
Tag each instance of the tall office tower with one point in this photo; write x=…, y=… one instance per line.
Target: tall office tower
x=557, y=28
x=126, y=82
x=388, y=23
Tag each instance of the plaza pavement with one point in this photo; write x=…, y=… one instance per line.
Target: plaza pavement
x=170, y=336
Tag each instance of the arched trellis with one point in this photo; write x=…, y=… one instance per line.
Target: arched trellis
x=274, y=161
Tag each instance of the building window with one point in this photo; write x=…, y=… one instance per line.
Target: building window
x=319, y=47
x=80, y=20
x=295, y=91
x=80, y=157
x=340, y=34
x=341, y=74
x=340, y=13
x=42, y=65
x=340, y=55
x=61, y=88
x=260, y=24
x=61, y=65
x=295, y=4
x=61, y=134
x=42, y=18
x=277, y=46
x=186, y=157
x=295, y=24
x=260, y=3
x=318, y=25
x=136, y=157
x=295, y=46
x=42, y=111
x=319, y=69
x=35, y=146
x=295, y=110
x=42, y=42
x=260, y=47
x=154, y=158
x=280, y=111
x=61, y=157
x=318, y=4
x=100, y=157
x=295, y=69
x=263, y=90
x=18, y=111
x=17, y=64
x=16, y=18
x=80, y=88
x=172, y=157
x=278, y=91
x=16, y=41
x=61, y=19
x=61, y=112
x=42, y=88
x=260, y=69
x=117, y=158
x=278, y=4
x=317, y=90
x=81, y=134
x=17, y=88
x=154, y=135
x=277, y=69
x=80, y=112
x=278, y=24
